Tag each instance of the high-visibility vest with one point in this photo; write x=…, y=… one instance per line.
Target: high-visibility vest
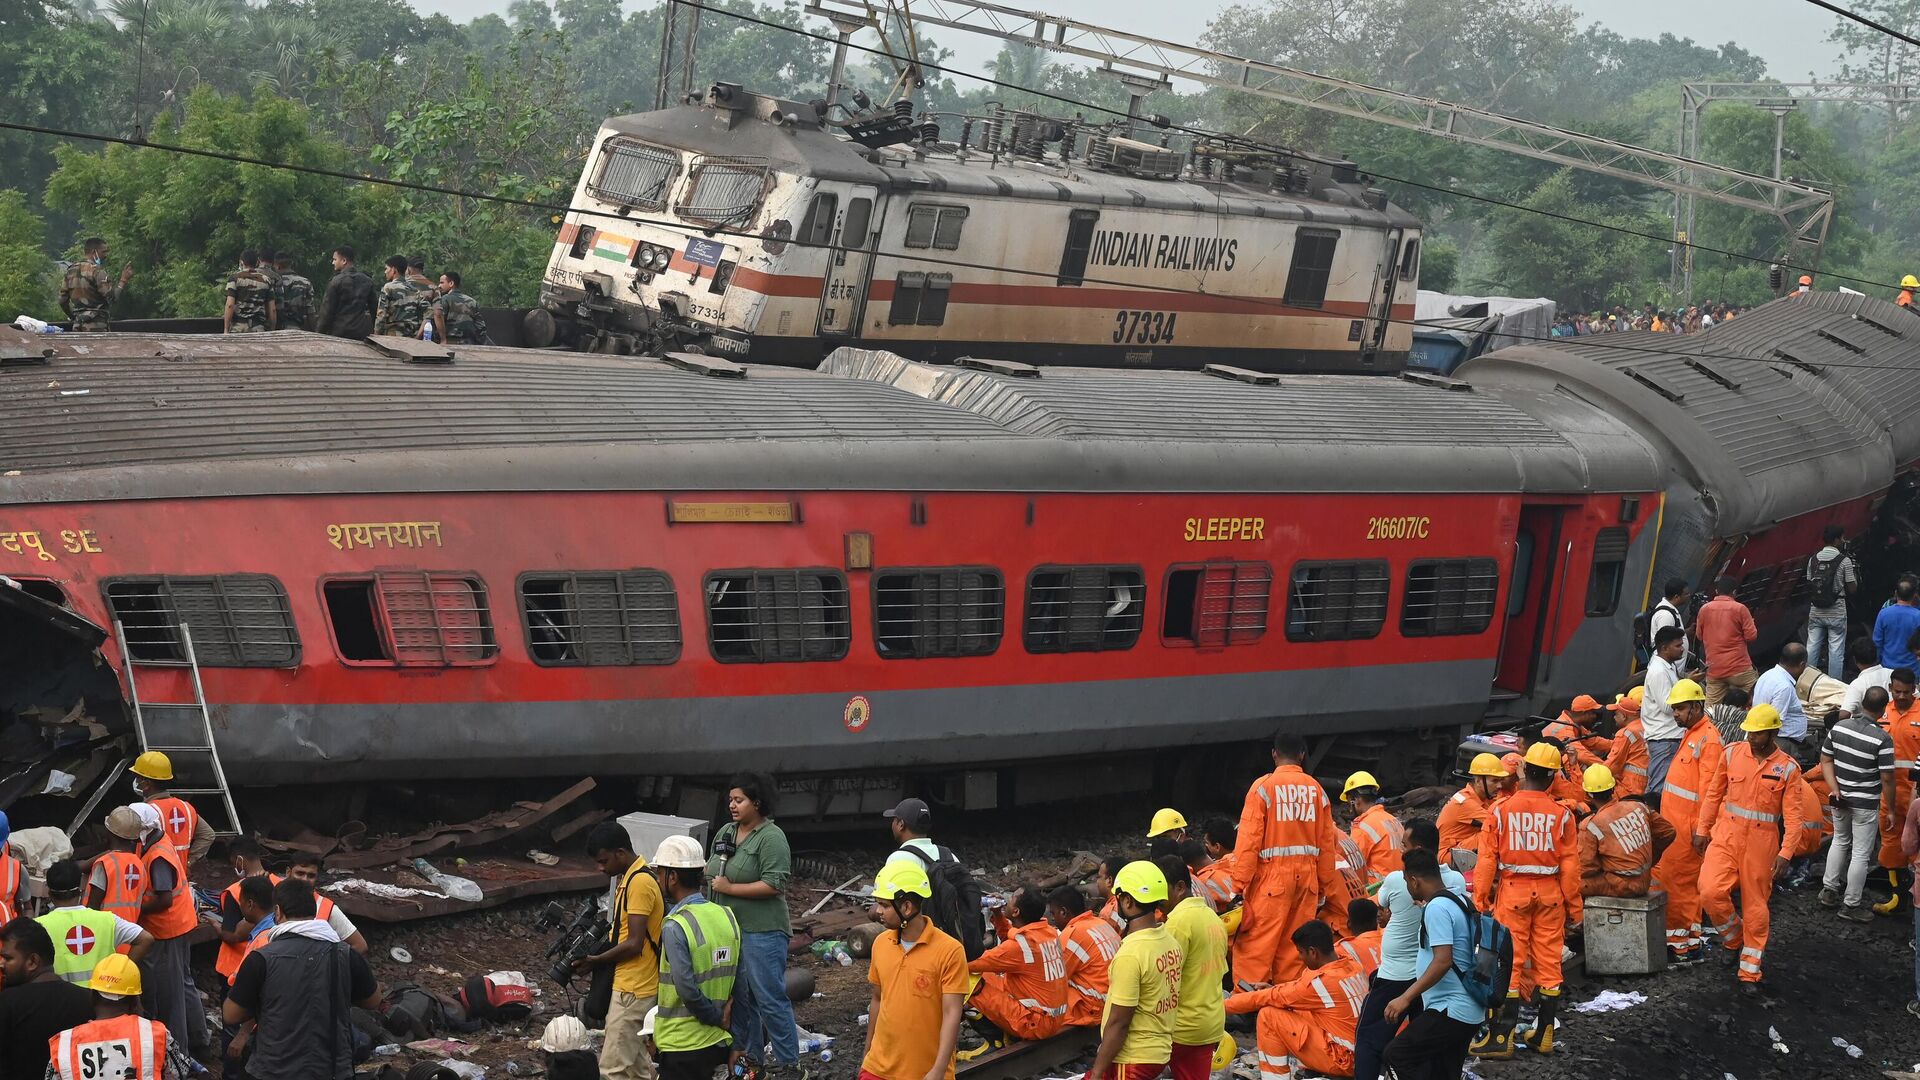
x=1382, y=840
x=129, y=1047
x=227, y=963
x=179, y=916
x=9, y=885
x=179, y=821
x=126, y=884
x=713, y=937
x=82, y=937
x=262, y=933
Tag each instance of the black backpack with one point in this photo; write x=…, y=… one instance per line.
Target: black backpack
x=1825, y=575
x=955, y=907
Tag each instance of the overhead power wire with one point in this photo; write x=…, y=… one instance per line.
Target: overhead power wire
x=1598, y=341
x=1854, y=16
x=1253, y=144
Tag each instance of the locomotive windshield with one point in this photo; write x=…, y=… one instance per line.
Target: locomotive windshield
x=722, y=191
x=635, y=174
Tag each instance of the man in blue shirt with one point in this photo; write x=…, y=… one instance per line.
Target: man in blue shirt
x=1434, y=1043
x=1399, y=951
x=1780, y=688
x=1893, y=630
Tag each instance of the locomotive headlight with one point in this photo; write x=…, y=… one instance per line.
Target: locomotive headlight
x=661, y=257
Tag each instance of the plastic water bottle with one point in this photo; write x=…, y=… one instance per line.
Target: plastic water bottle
x=841, y=955
x=426, y=330
x=456, y=888
x=827, y=1055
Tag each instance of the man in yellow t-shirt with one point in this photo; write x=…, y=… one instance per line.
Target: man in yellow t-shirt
x=1201, y=1018
x=635, y=912
x=919, y=977
x=1143, y=983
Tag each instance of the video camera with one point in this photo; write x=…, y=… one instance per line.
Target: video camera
x=580, y=936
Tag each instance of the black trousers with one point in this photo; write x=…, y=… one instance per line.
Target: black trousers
x=691, y=1064
x=1433, y=1046
x=1373, y=1032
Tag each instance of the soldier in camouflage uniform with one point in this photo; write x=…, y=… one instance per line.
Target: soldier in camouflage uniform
x=87, y=293
x=403, y=304
x=296, y=296
x=273, y=275
x=456, y=316
x=251, y=304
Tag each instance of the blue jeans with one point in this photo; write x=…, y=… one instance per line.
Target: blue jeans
x=1828, y=634
x=1659, y=759
x=761, y=1011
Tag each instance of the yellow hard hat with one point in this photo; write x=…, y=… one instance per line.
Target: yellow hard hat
x=1684, y=691
x=1762, y=717
x=1596, y=779
x=115, y=977
x=1143, y=881
x=1638, y=693
x=1544, y=755
x=1486, y=765
x=1165, y=820
x=1230, y=919
x=153, y=765
x=1910, y=282
x=1361, y=779
x=1224, y=1052
x=901, y=877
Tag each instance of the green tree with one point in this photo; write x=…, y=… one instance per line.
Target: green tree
x=28, y=279
x=1580, y=266
x=183, y=220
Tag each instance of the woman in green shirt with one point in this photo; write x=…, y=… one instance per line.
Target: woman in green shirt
x=749, y=869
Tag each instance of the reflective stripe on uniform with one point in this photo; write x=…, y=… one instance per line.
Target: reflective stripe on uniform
x=1639, y=771
x=1039, y=1008
x=1320, y=988
x=1077, y=950
x=1525, y=868
x=1338, y=1041
x=1753, y=815
x=1372, y=833
x=1675, y=789
x=1086, y=990
x=1289, y=850
x=1026, y=950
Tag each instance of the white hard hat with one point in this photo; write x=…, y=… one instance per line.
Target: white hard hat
x=679, y=853
x=149, y=816
x=564, y=1033
x=646, y=1026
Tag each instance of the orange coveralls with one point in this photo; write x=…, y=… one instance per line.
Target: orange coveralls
x=1087, y=945
x=1618, y=846
x=1756, y=813
x=1362, y=949
x=1461, y=818
x=1309, y=1022
x=1283, y=869
x=1678, y=872
x=1904, y=727
x=1023, y=982
x=1214, y=882
x=1381, y=840
x=1531, y=842
x=1583, y=747
x=1628, y=760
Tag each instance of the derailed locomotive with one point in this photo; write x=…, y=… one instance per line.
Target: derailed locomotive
x=743, y=226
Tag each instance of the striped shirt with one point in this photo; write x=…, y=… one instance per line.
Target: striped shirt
x=1860, y=750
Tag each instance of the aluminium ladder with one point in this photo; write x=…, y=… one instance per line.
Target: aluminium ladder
x=198, y=707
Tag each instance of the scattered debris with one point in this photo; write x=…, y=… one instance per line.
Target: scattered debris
x=1611, y=1001
x=543, y=858
x=400, y=955
x=1852, y=1050
x=1779, y=1045
x=441, y=1046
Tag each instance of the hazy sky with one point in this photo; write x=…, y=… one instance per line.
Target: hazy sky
x=1789, y=34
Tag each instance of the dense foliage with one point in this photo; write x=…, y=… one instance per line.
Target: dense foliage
x=505, y=106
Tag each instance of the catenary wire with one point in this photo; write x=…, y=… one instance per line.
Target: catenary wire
x=1862, y=20
x=1269, y=148
x=1597, y=341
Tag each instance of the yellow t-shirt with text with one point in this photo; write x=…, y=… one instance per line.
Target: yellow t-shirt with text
x=1202, y=1016
x=1145, y=973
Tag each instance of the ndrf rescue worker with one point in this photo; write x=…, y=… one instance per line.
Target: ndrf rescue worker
x=1200, y=1020
x=1464, y=814
x=1907, y=285
x=1143, y=986
x=1574, y=731
x=699, y=955
x=13, y=876
x=1627, y=758
x=1087, y=945
x=82, y=936
x=1749, y=830
x=1283, y=865
x=185, y=829
x=1363, y=948
x=118, y=1042
x=1688, y=775
x=1376, y=832
x=1620, y=842
x=1529, y=877
x=1214, y=881
x=1901, y=721
x=1308, y=1023
x=1168, y=823
x=1023, y=980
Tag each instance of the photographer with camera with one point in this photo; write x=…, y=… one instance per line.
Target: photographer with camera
x=635, y=913
x=750, y=866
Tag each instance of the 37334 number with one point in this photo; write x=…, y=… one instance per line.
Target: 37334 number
x=1143, y=327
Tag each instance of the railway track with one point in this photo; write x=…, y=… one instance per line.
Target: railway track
x=1032, y=1060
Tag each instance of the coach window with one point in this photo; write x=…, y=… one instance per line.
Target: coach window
x=237, y=620
x=1753, y=587
x=1084, y=608
x=600, y=618
x=1312, y=266
x=858, y=220
x=931, y=225
x=410, y=618
x=950, y=611
x=776, y=616
x=1449, y=596
x=722, y=191
x=817, y=228
x=1609, y=571
x=1216, y=604
x=43, y=589
x=1073, y=261
x=1337, y=601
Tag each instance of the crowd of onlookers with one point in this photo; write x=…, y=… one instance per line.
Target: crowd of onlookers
x=1687, y=320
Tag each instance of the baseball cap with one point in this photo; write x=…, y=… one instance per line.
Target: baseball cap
x=912, y=813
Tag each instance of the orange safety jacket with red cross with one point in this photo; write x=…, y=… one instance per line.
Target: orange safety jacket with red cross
x=1087, y=946
x=180, y=916
x=227, y=963
x=1750, y=796
x=1530, y=838
x=179, y=821
x=121, y=1048
x=126, y=884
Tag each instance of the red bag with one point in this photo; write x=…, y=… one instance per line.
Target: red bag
x=496, y=1001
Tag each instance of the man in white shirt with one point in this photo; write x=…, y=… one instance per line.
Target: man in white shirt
x=1673, y=598
x=1663, y=732
x=1866, y=657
